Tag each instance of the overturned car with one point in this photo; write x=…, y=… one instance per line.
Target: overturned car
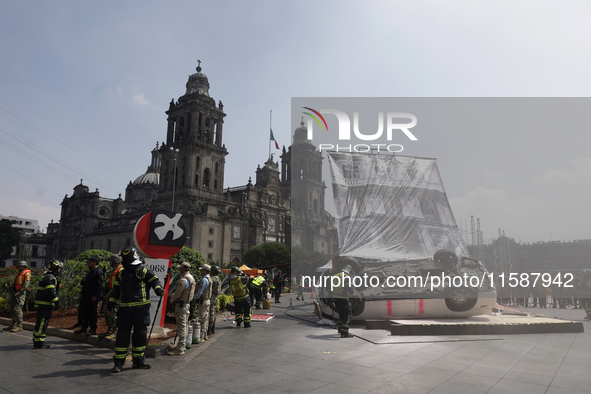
x=397, y=232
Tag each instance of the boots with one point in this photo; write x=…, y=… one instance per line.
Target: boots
x=17, y=328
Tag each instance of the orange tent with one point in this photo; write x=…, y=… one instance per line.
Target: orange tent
x=247, y=270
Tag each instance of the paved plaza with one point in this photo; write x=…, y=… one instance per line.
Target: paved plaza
x=293, y=354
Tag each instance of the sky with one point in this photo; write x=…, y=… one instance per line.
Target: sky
x=84, y=87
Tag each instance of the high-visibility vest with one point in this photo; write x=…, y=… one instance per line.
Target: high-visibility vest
x=20, y=279
x=237, y=287
x=258, y=281
x=113, y=277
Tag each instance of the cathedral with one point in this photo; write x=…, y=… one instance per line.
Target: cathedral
x=186, y=174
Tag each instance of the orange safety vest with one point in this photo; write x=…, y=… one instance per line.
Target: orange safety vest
x=113, y=277
x=20, y=279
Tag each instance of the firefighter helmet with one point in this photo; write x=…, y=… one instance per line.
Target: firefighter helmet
x=129, y=255
x=347, y=268
x=54, y=266
x=235, y=271
x=21, y=264
x=215, y=270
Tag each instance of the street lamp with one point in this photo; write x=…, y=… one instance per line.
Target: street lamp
x=173, y=176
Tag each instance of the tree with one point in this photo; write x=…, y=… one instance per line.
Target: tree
x=9, y=237
x=268, y=255
x=304, y=261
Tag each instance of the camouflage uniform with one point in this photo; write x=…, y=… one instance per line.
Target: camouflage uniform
x=213, y=305
x=111, y=315
x=18, y=297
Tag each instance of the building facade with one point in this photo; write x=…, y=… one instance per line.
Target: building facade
x=186, y=175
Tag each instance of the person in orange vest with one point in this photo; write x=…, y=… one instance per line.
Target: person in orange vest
x=111, y=315
x=18, y=293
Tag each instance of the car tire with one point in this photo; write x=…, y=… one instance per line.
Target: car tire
x=352, y=261
x=460, y=299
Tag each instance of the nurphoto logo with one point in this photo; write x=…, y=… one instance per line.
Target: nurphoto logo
x=392, y=120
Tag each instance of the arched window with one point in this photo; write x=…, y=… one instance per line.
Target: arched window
x=206, y=178
x=197, y=180
x=198, y=163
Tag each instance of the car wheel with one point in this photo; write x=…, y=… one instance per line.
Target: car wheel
x=460, y=299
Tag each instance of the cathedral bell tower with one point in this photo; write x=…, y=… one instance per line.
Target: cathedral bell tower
x=193, y=146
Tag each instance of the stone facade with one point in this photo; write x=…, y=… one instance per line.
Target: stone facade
x=187, y=174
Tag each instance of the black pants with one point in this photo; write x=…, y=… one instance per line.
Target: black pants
x=138, y=319
x=277, y=293
x=43, y=316
x=89, y=314
x=242, y=311
x=343, y=307
x=255, y=293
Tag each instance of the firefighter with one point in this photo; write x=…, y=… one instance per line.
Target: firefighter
x=340, y=295
x=238, y=286
x=46, y=299
x=215, y=291
x=257, y=288
x=132, y=290
x=111, y=316
x=18, y=293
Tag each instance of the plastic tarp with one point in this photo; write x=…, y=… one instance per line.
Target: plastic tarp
x=391, y=207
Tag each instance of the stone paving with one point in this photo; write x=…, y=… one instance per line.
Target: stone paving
x=293, y=354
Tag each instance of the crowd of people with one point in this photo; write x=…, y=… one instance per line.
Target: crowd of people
x=575, y=294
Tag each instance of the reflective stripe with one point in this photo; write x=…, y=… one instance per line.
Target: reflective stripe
x=130, y=304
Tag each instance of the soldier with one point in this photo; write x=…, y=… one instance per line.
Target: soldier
x=340, y=297
x=215, y=291
x=46, y=299
x=203, y=298
x=18, y=293
x=111, y=315
x=132, y=290
x=238, y=286
x=181, y=299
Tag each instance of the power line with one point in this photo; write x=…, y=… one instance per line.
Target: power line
x=24, y=176
x=64, y=144
x=48, y=155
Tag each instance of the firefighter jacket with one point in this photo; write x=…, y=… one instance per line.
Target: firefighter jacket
x=258, y=283
x=343, y=290
x=185, y=289
x=238, y=287
x=48, y=290
x=21, y=281
x=132, y=287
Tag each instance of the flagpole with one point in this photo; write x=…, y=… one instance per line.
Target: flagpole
x=270, y=116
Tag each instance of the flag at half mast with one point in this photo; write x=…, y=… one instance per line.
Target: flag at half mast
x=273, y=139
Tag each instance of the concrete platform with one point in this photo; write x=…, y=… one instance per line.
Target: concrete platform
x=493, y=324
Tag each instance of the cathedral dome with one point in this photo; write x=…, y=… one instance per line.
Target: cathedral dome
x=148, y=177
x=198, y=83
x=301, y=134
